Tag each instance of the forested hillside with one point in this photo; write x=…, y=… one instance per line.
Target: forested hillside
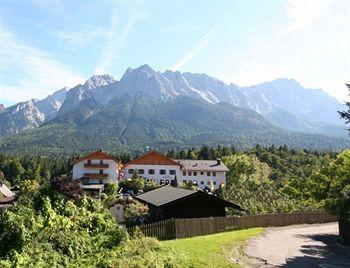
x=133, y=124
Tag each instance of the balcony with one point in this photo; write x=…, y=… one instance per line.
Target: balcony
x=95, y=175
x=90, y=165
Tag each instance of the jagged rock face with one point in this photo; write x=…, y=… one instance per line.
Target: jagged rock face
x=2, y=107
x=287, y=94
x=20, y=117
x=92, y=88
x=31, y=114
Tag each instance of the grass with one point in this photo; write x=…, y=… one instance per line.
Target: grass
x=213, y=250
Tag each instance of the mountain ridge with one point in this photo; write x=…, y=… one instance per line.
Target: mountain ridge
x=283, y=103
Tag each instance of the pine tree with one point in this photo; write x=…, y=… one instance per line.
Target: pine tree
x=174, y=182
x=346, y=114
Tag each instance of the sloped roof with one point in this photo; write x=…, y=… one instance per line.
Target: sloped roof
x=167, y=194
x=164, y=195
x=7, y=200
x=153, y=158
x=202, y=165
x=6, y=191
x=97, y=155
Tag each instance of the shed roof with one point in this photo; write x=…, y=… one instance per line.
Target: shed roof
x=202, y=165
x=166, y=194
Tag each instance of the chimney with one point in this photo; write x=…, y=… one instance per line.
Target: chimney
x=218, y=161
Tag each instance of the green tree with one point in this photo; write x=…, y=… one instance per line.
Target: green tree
x=331, y=187
x=134, y=184
x=174, y=182
x=249, y=186
x=346, y=114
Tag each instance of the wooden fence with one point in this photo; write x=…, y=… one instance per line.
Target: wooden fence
x=181, y=228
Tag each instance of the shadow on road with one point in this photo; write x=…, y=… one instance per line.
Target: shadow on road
x=327, y=253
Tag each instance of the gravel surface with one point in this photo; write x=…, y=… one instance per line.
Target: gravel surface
x=307, y=245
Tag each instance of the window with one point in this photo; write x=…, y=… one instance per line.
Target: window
x=202, y=173
x=172, y=172
x=189, y=173
x=214, y=174
x=208, y=182
x=101, y=162
x=101, y=171
x=214, y=182
x=195, y=183
x=166, y=182
x=208, y=173
x=184, y=181
x=131, y=171
x=194, y=173
x=162, y=171
x=161, y=182
x=202, y=182
x=89, y=161
x=151, y=171
x=141, y=171
x=184, y=173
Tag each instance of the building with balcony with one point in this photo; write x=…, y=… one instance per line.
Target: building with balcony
x=161, y=170
x=96, y=168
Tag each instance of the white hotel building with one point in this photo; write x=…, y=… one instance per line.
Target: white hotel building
x=158, y=168
x=96, y=168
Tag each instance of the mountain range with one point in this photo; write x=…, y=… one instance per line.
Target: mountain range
x=150, y=108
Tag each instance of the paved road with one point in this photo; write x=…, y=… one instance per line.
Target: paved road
x=302, y=246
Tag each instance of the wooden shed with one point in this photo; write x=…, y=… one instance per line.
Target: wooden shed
x=169, y=202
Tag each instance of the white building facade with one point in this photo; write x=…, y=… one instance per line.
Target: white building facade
x=159, y=169
x=96, y=168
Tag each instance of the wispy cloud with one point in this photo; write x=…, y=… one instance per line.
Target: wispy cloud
x=35, y=73
x=117, y=38
x=194, y=50
x=310, y=45
x=82, y=36
x=55, y=6
x=303, y=12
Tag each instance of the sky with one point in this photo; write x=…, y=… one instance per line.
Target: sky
x=46, y=45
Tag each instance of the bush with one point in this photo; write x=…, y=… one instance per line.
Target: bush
x=58, y=232
x=68, y=187
x=141, y=252
x=133, y=211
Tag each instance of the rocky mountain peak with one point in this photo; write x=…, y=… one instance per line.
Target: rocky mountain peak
x=96, y=81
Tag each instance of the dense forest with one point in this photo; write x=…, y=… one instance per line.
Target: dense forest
x=257, y=176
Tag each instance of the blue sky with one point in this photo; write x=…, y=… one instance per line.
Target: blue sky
x=46, y=45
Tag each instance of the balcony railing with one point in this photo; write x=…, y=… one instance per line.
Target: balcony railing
x=90, y=165
x=95, y=175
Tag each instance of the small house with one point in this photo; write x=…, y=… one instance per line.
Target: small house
x=7, y=198
x=96, y=168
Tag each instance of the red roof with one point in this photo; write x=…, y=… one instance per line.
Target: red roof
x=153, y=158
x=97, y=155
